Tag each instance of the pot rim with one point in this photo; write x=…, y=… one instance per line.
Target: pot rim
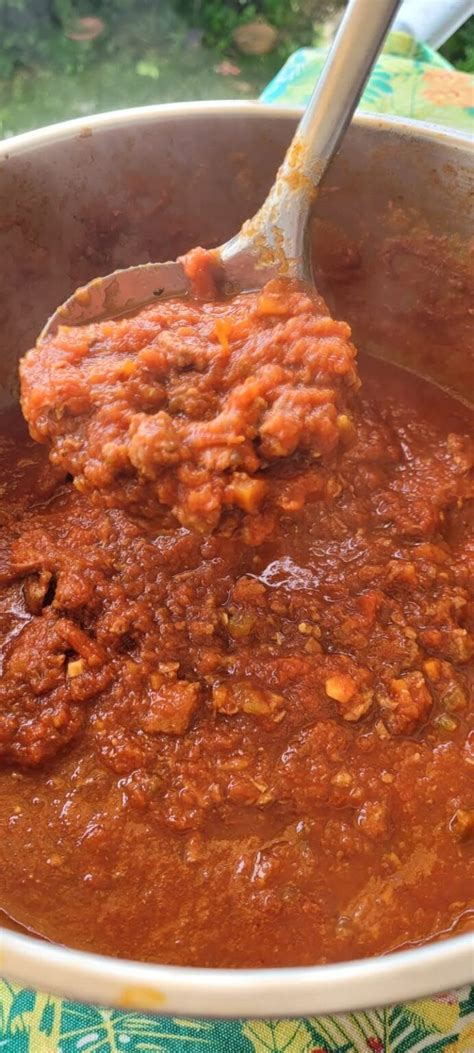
x=187, y=990
x=279, y=992
x=85, y=126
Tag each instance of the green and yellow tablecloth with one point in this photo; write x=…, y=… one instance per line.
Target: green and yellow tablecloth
x=410, y=80
x=36, y=1023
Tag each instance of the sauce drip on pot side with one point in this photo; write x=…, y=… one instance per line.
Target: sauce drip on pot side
x=251, y=747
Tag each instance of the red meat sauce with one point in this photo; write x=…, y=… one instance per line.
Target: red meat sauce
x=247, y=746
x=184, y=404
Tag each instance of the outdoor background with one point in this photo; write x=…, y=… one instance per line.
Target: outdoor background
x=69, y=58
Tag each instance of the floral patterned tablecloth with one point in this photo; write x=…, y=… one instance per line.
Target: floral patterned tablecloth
x=36, y=1023
x=409, y=80
x=412, y=81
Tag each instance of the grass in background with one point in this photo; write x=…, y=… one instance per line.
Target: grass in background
x=150, y=51
x=146, y=54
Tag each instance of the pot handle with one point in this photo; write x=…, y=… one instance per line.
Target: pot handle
x=433, y=21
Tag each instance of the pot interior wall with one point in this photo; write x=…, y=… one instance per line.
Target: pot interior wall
x=388, y=240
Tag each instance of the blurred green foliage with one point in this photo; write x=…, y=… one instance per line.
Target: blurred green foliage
x=32, y=32
x=294, y=19
x=149, y=51
x=460, y=49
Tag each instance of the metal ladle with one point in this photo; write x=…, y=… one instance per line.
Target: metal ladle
x=275, y=242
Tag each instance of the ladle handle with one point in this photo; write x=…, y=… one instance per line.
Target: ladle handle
x=353, y=54
x=277, y=233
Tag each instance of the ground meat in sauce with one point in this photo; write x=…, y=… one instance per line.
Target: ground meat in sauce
x=185, y=403
x=253, y=746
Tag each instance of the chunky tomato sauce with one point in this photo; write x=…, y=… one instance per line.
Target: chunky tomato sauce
x=183, y=404
x=249, y=745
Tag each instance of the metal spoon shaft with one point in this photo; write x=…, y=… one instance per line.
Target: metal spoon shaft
x=274, y=242
x=275, y=237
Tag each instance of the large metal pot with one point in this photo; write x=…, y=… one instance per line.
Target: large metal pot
x=86, y=197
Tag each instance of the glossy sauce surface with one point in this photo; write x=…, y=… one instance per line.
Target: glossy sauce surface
x=251, y=747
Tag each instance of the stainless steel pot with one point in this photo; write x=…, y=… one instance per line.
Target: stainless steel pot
x=390, y=249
